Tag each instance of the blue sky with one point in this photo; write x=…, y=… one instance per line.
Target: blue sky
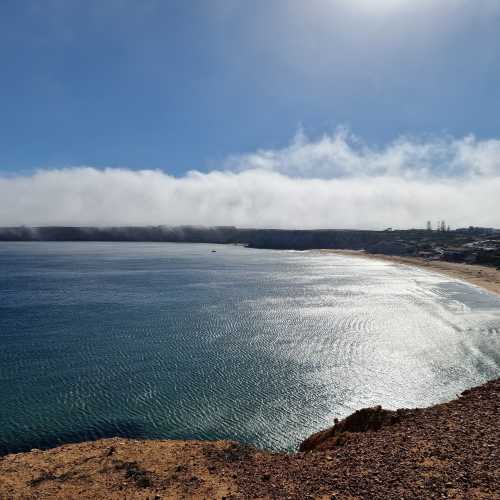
x=181, y=85
x=261, y=113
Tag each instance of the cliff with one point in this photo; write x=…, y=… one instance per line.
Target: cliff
x=449, y=450
x=399, y=242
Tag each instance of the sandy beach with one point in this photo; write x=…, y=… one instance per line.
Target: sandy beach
x=481, y=276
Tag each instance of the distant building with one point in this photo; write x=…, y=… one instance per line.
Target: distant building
x=478, y=231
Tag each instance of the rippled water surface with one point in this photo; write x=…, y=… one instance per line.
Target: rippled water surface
x=176, y=341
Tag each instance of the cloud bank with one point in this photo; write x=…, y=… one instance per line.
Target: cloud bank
x=335, y=181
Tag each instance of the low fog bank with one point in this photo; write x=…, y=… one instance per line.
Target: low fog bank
x=335, y=181
x=254, y=198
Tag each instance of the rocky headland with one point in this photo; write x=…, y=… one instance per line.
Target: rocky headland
x=451, y=450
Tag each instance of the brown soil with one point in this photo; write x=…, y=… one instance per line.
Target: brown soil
x=445, y=451
x=482, y=276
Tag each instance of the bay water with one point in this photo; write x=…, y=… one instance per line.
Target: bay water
x=164, y=340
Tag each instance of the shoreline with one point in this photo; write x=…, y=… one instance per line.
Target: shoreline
x=449, y=450
x=484, y=277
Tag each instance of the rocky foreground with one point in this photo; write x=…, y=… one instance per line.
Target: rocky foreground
x=445, y=451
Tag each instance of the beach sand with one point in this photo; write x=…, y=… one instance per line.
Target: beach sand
x=481, y=276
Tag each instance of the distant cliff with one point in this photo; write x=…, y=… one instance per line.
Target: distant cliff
x=188, y=234
x=256, y=238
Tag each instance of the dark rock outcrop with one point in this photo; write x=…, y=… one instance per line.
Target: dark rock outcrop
x=364, y=420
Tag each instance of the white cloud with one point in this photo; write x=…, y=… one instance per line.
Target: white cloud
x=333, y=182
x=343, y=154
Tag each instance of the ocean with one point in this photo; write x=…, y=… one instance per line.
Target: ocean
x=165, y=340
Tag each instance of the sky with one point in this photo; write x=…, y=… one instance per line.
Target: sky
x=269, y=113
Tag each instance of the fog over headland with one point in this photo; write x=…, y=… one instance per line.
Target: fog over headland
x=335, y=181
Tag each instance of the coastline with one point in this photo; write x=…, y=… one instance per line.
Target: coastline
x=450, y=450
x=484, y=277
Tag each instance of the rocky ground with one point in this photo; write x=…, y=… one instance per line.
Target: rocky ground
x=445, y=451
